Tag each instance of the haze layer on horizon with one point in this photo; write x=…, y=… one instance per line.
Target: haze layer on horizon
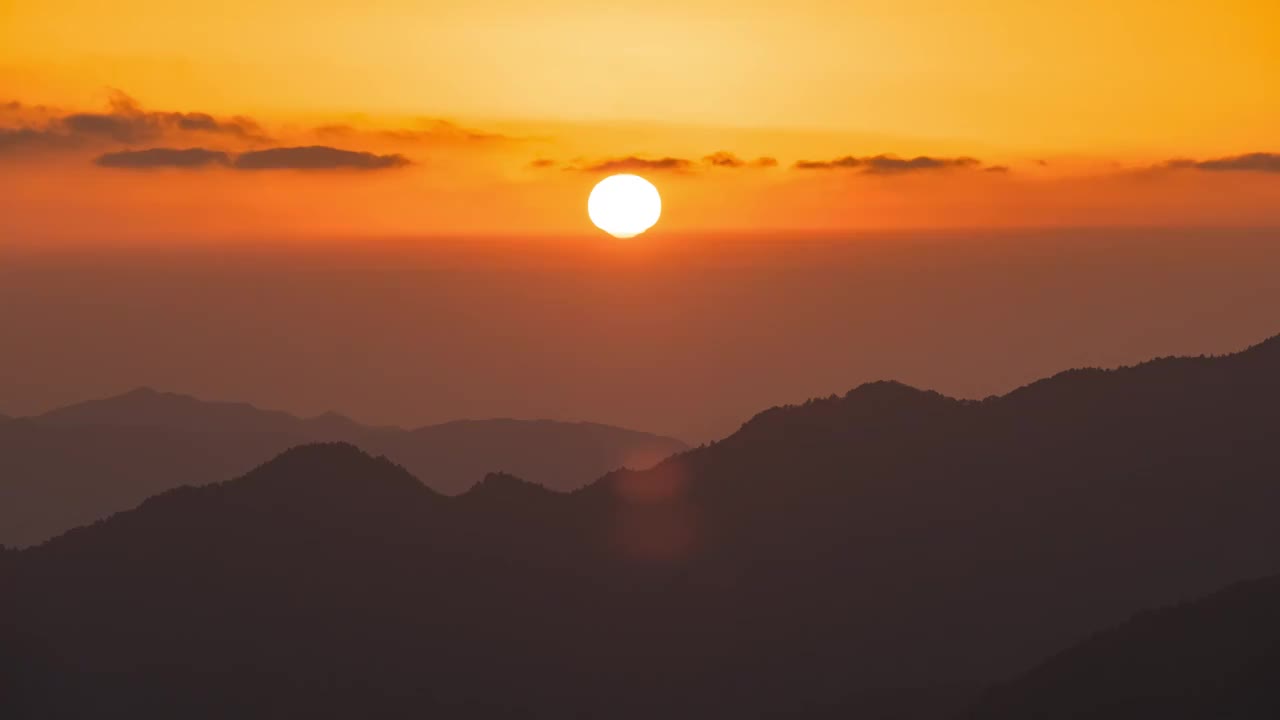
x=683, y=334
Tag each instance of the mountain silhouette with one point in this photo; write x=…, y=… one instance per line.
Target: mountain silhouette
x=83, y=462
x=1215, y=657
x=145, y=407
x=881, y=554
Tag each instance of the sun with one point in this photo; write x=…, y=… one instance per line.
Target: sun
x=624, y=205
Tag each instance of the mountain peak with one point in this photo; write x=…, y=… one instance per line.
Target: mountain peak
x=325, y=458
x=882, y=401
x=891, y=390
x=336, y=474
x=507, y=488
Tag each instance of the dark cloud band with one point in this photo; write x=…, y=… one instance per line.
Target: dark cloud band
x=889, y=164
x=1263, y=162
x=633, y=163
x=726, y=159
x=163, y=158
x=636, y=163
x=125, y=122
x=315, y=157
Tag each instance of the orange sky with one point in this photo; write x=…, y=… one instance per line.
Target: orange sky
x=380, y=207
x=1071, y=112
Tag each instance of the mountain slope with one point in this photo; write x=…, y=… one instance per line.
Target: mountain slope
x=1215, y=657
x=888, y=544
x=81, y=463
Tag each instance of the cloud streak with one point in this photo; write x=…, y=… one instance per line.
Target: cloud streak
x=163, y=158
x=638, y=163
x=632, y=163
x=1263, y=162
x=316, y=157
x=125, y=122
x=25, y=138
x=308, y=158
x=433, y=131
x=725, y=159
x=889, y=164
x=128, y=122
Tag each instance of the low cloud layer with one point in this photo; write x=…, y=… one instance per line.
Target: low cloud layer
x=632, y=163
x=128, y=122
x=314, y=157
x=430, y=131
x=163, y=158
x=1264, y=162
x=889, y=164
x=729, y=160
x=25, y=138
x=124, y=122
x=125, y=125
x=637, y=163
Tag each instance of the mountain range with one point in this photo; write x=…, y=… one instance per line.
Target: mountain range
x=77, y=464
x=885, y=553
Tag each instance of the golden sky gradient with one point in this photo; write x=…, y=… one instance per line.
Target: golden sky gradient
x=380, y=207
x=497, y=110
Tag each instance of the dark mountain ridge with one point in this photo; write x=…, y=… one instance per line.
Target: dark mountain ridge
x=819, y=561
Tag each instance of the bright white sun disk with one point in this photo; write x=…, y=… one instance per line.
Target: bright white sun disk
x=624, y=205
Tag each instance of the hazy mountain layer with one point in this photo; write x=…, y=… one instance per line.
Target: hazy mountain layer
x=81, y=463
x=863, y=555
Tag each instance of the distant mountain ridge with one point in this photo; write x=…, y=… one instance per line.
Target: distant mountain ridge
x=871, y=555
x=146, y=407
x=80, y=463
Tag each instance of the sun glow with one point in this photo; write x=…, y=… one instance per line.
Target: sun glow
x=624, y=205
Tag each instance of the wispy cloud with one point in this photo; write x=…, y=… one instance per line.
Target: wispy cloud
x=638, y=163
x=725, y=159
x=25, y=138
x=889, y=164
x=632, y=163
x=163, y=158
x=1264, y=162
x=314, y=157
x=125, y=122
x=430, y=131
